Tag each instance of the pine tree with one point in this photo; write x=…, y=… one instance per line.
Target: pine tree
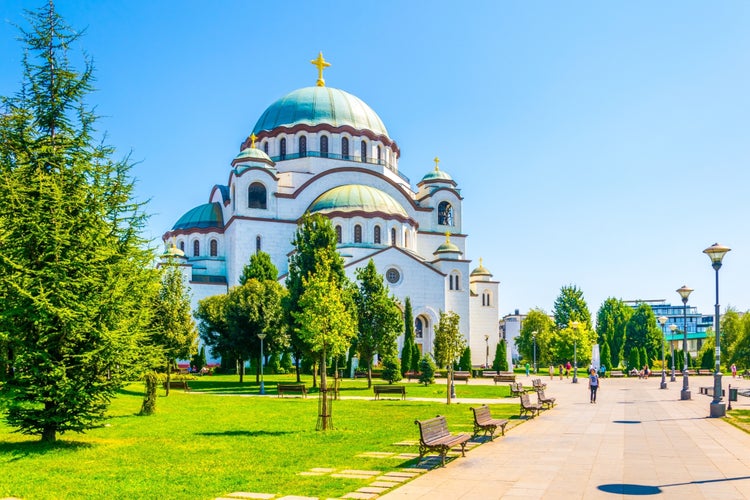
x=604, y=355
x=74, y=268
x=426, y=370
x=634, y=360
x=406, y=351
x=500, y=363
x=391, y=370
x=464, y=363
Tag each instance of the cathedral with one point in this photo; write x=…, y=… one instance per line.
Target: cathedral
x=322, y=150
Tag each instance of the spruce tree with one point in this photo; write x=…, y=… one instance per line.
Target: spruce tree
x=500, y=363
x=406, y=351
x=74, y=269
x=604, y=355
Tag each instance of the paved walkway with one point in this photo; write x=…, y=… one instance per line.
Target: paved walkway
x=637, y=440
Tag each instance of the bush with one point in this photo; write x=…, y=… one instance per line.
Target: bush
x=149, y=400
x=286, y=362
x=500, y=363
x=634, y=359
x=464, y=364
x=274, y=364
x=391, y=370
x=427, y=370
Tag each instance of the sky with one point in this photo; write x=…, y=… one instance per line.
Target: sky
x=597, y=144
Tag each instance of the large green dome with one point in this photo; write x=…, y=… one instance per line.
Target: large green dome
x=357, y=198
x=316, y=105
x=201, y=217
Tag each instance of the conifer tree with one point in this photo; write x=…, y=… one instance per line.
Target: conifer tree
x=500, y=363
x=406, y=351
x=74, y=269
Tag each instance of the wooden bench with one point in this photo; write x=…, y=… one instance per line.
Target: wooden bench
x=538, y=384
x=459, y=375
x=528, y=407
x=434, y=436
x=412, y=375
x=282, y=389
x=178, y=384
x=389, y=389
x=489, y=373
x=616, y=374
x=544, y=401
x=705, y=372
x=483, y=421
x=516, y=389
x=504, y=377
x=691, y=372
x=360, y=374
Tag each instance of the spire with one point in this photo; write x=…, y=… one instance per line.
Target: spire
x=252, y=138
x=437, y=160
x=447, y=237
x=320, y=63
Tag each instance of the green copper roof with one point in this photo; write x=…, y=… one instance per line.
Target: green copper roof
x=315, y=105
x=256, y=154
x=356, y=197
x=436, y=175
x=481, y=271
x=201, y=217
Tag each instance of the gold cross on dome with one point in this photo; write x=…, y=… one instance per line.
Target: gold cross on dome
x=480, y=262
x=436, y=160
x=320, y=63
x=252, y=138
x=448, y=237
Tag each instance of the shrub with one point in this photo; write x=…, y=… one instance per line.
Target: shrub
x=391, y=370
x=149, y=400
x=286, y=362
x=464, y=364
x=427, y=370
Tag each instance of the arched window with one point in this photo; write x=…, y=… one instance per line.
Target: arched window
x=196, y=248
x=418, y=328
x=379, y=155
x=357, y=234
x=182, y=246
x=213, y=248
x=453, y=278
x=265, y=147
x=363, y=151
x=324, y=146
x=376, y=235
x=338, y=234
x=256, y=196
x=486, y=299
x=393, y=236
x=257, y=244
x=282, y=149
x=302, y=146
x=345, y=148
x=445, y=214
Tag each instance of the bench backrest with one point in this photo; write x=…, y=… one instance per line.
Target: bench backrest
x=291, y=387
x=432, y=428
x=525, y=401
x=461, y=373
x=482, y=414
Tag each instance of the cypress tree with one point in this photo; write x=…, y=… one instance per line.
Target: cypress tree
x=604, y=355
x=406, y=351
x=501, y=357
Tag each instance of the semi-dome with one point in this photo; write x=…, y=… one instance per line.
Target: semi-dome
x=317, y=105
x=357, y=198
x=201, y=217
x=481, y=270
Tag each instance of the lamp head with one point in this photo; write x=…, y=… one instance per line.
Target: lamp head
x=673, y=328
x=663, y=320
x=684, y=292
x=261, y=336
x=716, y=253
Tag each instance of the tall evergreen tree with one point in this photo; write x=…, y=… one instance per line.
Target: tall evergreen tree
x=260, y=267
x=604, y=355
x=611, y=322
x=74, y=268
x=642, y=331
x=406, y=350
x=501, y=357
x=571, y=306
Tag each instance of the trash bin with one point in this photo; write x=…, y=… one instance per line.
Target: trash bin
x=732, y=394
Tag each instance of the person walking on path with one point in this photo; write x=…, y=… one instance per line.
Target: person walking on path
x=560, y=371
x=734, y=370
x=567, y=369
x=527, y=368
x=551, y=372
x=593, y=384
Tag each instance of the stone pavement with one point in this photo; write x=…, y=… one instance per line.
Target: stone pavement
x=638, y=440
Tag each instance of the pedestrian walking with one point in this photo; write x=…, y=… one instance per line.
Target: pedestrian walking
x=567, y=369
x=551, y=372
x=593, y=384
x=527, y=368
x=734, y=370
x=560, y=370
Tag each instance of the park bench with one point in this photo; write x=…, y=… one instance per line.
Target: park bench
x=434, y=436
x=360, y=374
x=616, y=374
x=282, y=389
x=709, y=391
x=504, y=377
x=538, y=384
x=544, y=401
x=528, y=407
x=178, y=384
x=483, y=421
x=412, y=375
x=389, y=389
x=489, y=373
x=705, y=372
x=459, y=375
x=516, y=389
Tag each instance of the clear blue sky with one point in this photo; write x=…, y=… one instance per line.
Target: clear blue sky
x=602, y=144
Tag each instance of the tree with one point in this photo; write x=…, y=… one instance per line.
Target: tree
x=391, y=369
x=570, y=306
x=449, y=344
x=611, y=321
x=74, y=268
x=260, y=268
x=325, y=324
x=409, y=345
x=536, y=321
x=731, y=331
x=634, y=359
x=379, y=318
x=604, y=355
x=213, y=328
x=642, y=331
x=314, y=242
x=571, y=343
x=707, y=354
x=464, y=363
x=172, y=325
x=199, y=360
x=500, y=363
x=427, y=370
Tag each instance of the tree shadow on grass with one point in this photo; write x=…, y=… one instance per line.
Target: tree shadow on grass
x=243, y=433
x=24, y=449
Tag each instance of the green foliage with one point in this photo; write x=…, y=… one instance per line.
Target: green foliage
x=274, y=364
x=214, y=330
x=464, y=363
x=536, y=321
x=409, y=345
x=416, y=357
x=642, y=331
x=570, y=306
x=379, y=317
x=286, y=362
x=427, y=369
x=611, y=321
x=501, y=357
x=75, y=273
x=645, y=358
x=604, y=355
x=449, y=343
x=634, y=359
x=391, y=369
x=199, y=359
x=260, y=268
x=570, y=343
x=151, y=380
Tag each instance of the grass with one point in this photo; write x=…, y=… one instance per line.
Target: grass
x=208, y=445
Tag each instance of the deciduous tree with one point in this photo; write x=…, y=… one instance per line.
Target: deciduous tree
x=449, y=344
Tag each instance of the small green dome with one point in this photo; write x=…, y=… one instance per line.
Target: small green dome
x=201, y=217
x=315, y=105
x=437, y=175
x=447, y=247
x=481, y=270
x=357, y=197
x=252, y=154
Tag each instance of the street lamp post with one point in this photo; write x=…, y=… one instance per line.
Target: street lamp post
x=663, y=321
x=574, y=325
x=487, y=351
x=261, y=336
x=672, y=328
x=716, y=253
x=684, y=293
x=533, y=335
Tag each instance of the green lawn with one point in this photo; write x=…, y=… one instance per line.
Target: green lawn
x=208, y=445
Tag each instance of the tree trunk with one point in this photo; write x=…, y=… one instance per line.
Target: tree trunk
x=49, y=435
x=315, y=374
x=241, y=369
x=369, y=375
x=297, y=356
x=169, y=375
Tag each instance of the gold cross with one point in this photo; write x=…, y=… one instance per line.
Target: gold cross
x=320, y=63
x=447, y=236
x=252, y=139
x=437, y=160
